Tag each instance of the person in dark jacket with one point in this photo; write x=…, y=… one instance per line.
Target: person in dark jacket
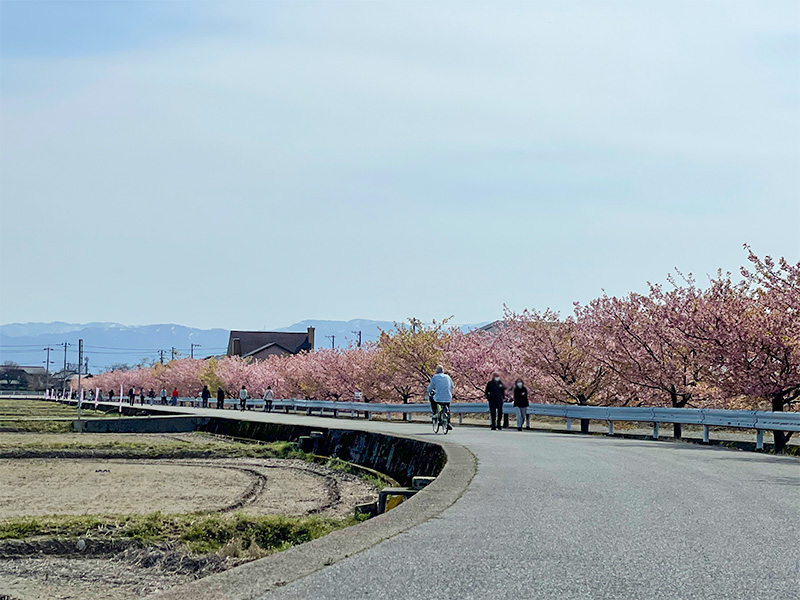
x=495, y=393
x=521, y=402
x=110, y=395
x=151, y=396
x=131, y=396
x=220, y=398
x=205, y=395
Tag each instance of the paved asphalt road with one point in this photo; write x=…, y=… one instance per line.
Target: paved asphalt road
x=568, y=516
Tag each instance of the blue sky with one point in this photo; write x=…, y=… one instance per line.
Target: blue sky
x=235, y=164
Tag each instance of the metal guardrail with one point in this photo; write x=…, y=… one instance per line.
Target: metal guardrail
x=758, y=421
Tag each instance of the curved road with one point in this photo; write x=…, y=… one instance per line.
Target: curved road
x=568, y=516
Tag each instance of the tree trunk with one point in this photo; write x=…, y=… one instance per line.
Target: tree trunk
x=779, y=438
x=584, y=422
x=677, y=429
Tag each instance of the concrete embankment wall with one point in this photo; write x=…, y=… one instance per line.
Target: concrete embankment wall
x=160, y=424
x=400, y=458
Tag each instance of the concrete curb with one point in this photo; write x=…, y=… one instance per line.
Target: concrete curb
x=254, y=579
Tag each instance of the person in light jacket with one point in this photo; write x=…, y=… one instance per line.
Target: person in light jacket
x=243, y=398
x=520, y=402
x=269, y=396
x=440, y=391
x=495, y=393
x=163, y=396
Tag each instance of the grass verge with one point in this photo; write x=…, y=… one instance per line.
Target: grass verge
x=230, y=535
x=78, y=447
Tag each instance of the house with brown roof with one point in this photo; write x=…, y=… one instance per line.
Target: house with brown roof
x=263, y=344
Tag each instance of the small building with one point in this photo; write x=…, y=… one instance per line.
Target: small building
x=263, y=344
x=20, y=377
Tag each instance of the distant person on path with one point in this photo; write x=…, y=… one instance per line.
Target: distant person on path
x=440, y=391
x=131, y=396
x=205, y=395
x=163, y=396
x=141, y=396
x=243, y=398
x=495, y=393
x=151, y=396
x=220, y=398
x=520, y=402
x=174, y=401
x=269, y=396
x=110, y=395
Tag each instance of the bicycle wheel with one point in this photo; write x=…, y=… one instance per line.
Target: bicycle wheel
x=446, y=421
x=436, y=422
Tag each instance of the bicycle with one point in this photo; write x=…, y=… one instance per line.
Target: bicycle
x=441, y=419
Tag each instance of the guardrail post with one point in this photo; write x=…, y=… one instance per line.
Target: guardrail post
x=569, y=424
x=527, y=421
x=369, y=415
x=759, y=439
x=705, y=434
x=388, y=416
x=611, y=428
x=460, y=418
x=655, y=431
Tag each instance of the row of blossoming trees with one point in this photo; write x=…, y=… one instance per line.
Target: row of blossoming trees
x=734, y=343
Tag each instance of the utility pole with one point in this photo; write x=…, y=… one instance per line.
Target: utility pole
x=161, y=354
x=192, y=349
x=64, y=372
x=80, y=360
x=86, y=365
x=173, y=352
x=65, y=345
x=414, y=324
x=358, y=333
x=332, y=338
x=47, y=363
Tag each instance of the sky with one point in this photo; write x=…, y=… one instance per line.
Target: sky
x=236, y=164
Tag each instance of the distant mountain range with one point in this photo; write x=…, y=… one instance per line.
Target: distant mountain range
x=109, y=344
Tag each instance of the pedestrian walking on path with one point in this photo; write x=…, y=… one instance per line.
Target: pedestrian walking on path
x=269, y=396
x=243, y=398
x=151, y=396
x=205, y=395
x=495, y=393
x=174, y=397
x=163, y=396
x=141, y=396
x=220, y=397
x=521, y=402
x=131, y=396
